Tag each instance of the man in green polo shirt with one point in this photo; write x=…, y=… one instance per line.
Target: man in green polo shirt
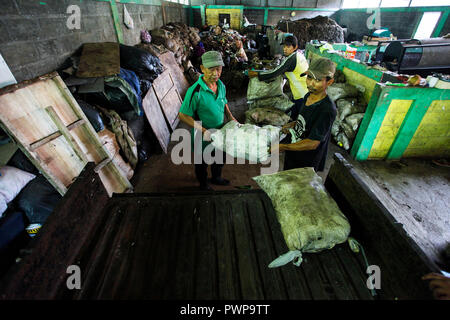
x=206, y=101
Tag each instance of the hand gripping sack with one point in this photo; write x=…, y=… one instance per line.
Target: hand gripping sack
x=310, y=219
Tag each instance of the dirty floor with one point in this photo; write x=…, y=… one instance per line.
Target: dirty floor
x=416, y=192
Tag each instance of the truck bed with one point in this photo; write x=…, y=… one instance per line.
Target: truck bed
x=211, y=245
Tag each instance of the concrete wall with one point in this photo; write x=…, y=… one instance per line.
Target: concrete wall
x=35, y=40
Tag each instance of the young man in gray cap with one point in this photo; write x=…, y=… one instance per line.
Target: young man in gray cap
x=307, y=142
x=206, y=101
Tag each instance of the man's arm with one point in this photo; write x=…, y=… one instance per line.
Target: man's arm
x=230, y=115
x=194, y=124
x=287, y=65
x=302, y=145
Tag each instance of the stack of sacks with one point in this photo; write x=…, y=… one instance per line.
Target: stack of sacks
x=350, y=112
x=266, y=116
x=261, y=94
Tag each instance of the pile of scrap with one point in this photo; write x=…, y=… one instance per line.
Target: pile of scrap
x=109, y=82
x=179, y=39
x=350, y=107
x=319, y=28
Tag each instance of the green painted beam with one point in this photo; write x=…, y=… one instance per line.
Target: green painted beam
x=203, y=14
x=408, y=128
x=291, y=9
x=224, y=7
x=441, y=23
x=117, y=24
x=371, y=123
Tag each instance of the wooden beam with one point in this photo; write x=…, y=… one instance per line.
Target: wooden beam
x=65, y=132
x=102, y=164
x=55, y=135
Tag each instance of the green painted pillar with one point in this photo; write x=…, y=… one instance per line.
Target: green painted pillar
x=115, y=16
x=266, y=14
x=203, y=13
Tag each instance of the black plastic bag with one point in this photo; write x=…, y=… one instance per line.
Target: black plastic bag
x=20, y=161
x=93, y=115
x=143, y=63
x=38, y=199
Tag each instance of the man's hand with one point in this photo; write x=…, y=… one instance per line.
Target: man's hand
x=207, y=135
x=439, y=284
x=286, y=127
x=252, y=74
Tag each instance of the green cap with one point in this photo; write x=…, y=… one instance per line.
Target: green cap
x=320, y=68
x=212, y=59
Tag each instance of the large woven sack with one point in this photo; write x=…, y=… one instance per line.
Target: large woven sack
x=266, y=116
x=338, y=91
x=310, y=219
x=245, y=141
x=262, y=89
x=281, y=102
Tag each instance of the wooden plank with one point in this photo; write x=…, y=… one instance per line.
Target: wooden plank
x=97, y=259
x=186, y=265
x=274, y=286
x=113, y=178
x=171, y=105
x=318, y=283
x=226, y=254
x=55, y=135
x=42, y=274
x=337, y=277
x=156, y=119
x=22, y=110
x=168, y=98
x=163, y=267
x=163, y=84
x=295, y=282
x=354, y=270
x=120, y=252
x=101, y=165
x=168, y=60
x=206, y=286
x=65, y=132
x=99, y=60
x=399, y=252
x=249, y=276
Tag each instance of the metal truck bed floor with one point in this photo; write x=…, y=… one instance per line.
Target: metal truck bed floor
x=211, y=246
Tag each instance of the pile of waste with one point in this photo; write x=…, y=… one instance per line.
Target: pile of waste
x=350, y=108
x=319, y=28
x=113, y=102
x=178, y=38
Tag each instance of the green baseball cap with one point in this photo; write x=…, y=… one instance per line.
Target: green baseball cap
x=320, y=68
x=212, y=59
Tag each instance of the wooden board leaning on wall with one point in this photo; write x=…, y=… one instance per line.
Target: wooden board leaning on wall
x=43, y=117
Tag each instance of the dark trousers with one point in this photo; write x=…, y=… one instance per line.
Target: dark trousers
x=201, y=171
